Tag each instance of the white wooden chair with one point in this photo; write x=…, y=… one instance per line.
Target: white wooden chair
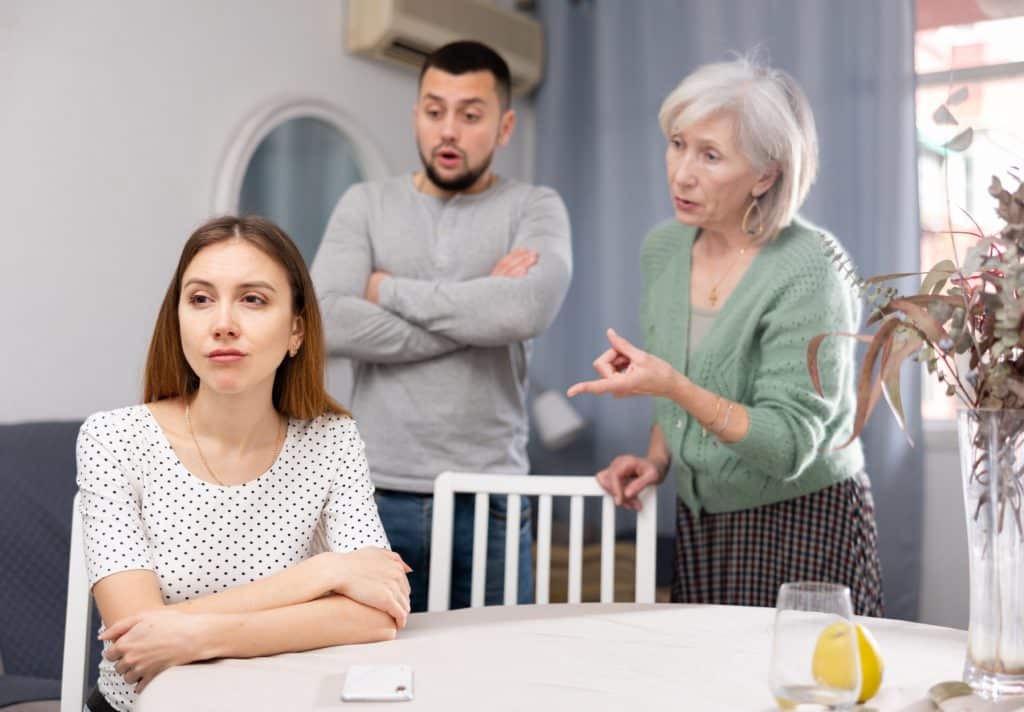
x=77, y=622
x=448, y=484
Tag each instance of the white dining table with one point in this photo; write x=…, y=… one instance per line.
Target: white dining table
x=620, y=656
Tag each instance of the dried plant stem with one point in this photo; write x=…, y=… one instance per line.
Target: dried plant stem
x=960, y=389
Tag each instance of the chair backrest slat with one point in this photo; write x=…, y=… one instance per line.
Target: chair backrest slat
x=576, y=548
x=512, y=519
x=543, y=578
x=77, y=622
x=545, y=487
x=646, y=536
x=481, y=517
x=607, y=550
x=441, y=545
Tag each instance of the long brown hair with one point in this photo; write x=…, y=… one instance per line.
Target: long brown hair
x=299, y=382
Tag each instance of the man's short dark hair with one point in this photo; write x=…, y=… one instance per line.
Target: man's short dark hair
x=468, y=56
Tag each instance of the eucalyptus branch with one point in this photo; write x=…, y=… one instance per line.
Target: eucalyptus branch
x=960, y=390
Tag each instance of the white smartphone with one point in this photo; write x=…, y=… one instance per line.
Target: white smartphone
x=378, y=683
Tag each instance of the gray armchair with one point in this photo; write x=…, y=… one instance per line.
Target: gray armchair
x=37, y=484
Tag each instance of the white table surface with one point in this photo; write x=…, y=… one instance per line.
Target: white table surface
x=622, y=657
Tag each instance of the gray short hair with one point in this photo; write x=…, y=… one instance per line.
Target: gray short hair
x=774, y=126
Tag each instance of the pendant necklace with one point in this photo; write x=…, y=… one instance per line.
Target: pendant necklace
x=202, y=457
x=713, y=294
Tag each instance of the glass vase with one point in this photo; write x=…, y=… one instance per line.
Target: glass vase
x=992, y=470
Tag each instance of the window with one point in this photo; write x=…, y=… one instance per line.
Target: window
x=957, y=46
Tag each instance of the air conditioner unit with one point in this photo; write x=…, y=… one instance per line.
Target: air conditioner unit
x=406, y=31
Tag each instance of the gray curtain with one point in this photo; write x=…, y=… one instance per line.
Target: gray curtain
x=609, y=66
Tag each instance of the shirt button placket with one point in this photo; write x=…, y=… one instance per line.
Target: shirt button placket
x=441, y=258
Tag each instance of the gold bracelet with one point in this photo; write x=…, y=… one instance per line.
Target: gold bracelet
x=704, y=428
x=725, y=423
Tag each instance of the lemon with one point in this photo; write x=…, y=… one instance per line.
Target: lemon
x=833, y=664
x=871, y=667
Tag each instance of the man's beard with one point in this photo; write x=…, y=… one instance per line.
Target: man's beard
x=460, y=182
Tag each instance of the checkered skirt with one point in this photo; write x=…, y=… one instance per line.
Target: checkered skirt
x=741, y=558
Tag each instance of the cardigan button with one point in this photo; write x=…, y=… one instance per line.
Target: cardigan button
x=679, y=423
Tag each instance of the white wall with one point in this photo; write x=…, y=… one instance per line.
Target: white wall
x=114, y=117
x=944, y=567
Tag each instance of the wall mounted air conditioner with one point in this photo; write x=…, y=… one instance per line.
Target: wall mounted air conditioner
x=406, y=31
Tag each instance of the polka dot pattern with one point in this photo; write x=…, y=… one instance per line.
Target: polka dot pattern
x=142, y=509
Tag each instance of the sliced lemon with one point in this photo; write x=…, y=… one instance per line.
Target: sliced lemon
x=871, y=667
x=834, y=665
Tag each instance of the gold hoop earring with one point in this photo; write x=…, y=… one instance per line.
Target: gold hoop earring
x=754, y=205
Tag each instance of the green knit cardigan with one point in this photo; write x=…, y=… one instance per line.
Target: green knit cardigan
x=756, y=354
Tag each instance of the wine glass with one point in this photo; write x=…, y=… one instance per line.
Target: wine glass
x=815, y=663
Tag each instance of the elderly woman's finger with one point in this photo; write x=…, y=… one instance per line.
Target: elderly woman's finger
x=617, y=385
x=611, y=483
x=623, y=346
x=605, y=363
x=647, y=475
x=586, y=387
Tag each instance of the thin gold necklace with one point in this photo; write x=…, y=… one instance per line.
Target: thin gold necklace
x=713, y=294
x=202, y=457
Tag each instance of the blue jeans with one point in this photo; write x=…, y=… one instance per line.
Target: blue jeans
x=407, y=520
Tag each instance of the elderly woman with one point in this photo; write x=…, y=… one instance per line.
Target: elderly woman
x=735, y=288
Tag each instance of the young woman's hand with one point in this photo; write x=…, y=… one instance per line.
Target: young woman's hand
x=627, y=476
x=376, y=577
x=626, y=370
x=146, y=644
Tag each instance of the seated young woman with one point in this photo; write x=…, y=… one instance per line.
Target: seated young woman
x=232, y=514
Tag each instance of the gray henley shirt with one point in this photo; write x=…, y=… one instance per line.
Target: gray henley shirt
x=440, y=376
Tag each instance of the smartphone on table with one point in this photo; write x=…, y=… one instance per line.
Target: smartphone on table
x=378, y=683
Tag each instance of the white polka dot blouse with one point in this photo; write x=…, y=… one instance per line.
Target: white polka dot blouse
x=142, y=509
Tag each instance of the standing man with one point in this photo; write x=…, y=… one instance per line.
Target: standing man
x=435, y=283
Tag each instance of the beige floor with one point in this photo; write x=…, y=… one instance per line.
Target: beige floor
x=625, y=558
